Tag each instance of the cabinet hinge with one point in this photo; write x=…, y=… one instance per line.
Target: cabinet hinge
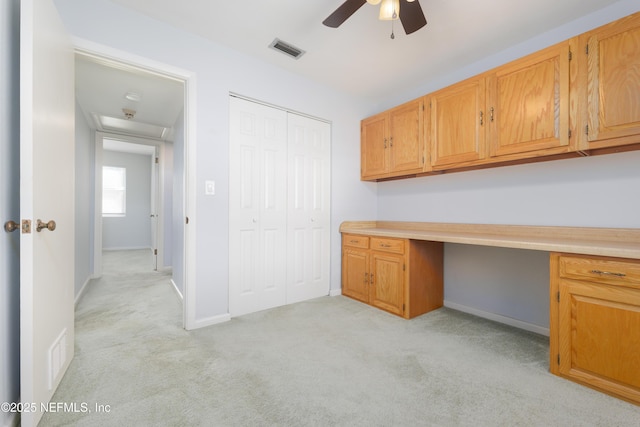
x=586, y=49
x=586, y=129
x=558, y=358
x=155, y=252
x=186, y=220
x=569, y=133
x=404, y=267
x=558, y=296
x=157, y=161
x=403, y=308
x=570, y=56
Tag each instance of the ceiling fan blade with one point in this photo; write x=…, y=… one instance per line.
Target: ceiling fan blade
x=342, y=13
x=411, y=16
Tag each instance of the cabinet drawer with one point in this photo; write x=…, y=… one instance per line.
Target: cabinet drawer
x=602, y=270
x=355, y=241
x=387, y=245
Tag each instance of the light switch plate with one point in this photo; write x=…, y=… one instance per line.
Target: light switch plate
x=209, y=188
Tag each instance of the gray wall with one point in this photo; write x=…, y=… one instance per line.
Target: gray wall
x=177, y=207
x=9, y=206
x=509, y=191
x=132, y=231
x=218, y=71
x=85, y=190
x=167, y=209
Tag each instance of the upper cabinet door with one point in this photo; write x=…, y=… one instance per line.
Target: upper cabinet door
x=528, y=108
x=613, y=83
x=374, y=147
x=457, y=128
x=406, y=141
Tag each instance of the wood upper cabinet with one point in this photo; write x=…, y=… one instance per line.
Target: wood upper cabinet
x=401, y=276
x=528, y=103
x=595, y=322
x=374, y=146
x=457, y=124
x=610, y=84
x=392, y=143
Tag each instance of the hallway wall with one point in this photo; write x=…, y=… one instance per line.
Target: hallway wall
x=132, y=231
x=9, y=206
x=85, y=190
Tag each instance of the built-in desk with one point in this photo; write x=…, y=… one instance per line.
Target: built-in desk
x=594, y=286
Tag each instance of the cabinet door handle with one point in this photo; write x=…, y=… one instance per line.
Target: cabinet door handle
x=491, y=113
x=481, y=118
x=385, y=143
x=372, y=278
x=608, y=273
x=391, y=142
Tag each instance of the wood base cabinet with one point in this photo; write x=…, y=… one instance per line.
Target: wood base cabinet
x=401, y=276
x=595, y=323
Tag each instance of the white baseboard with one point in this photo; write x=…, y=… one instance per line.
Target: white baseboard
x=82, y=290
x=209, y=321
x=175, y=288
x=498, y=318
x=335, y=292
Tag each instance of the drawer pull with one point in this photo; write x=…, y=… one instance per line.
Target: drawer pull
x=382, y=245
x=608, y=273
x=354, y=241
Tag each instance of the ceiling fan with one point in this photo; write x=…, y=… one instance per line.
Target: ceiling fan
x=408, y=11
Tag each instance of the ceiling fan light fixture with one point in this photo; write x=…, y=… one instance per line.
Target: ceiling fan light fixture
x=389, y=10
x=375, y=2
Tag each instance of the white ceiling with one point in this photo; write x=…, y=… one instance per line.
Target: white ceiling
x=359, y=57
x=101, y=87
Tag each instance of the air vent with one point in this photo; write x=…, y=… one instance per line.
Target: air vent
x=286, y=48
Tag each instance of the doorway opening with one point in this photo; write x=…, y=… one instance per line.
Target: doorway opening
x=129, y=121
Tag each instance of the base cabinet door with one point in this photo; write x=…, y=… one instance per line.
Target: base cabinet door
x=387, y=282
x=355, y=274
x=598, y=326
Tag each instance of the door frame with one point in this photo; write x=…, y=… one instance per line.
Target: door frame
x=156, y=187
x=127, y=59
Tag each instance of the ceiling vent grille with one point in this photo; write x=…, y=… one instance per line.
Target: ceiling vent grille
x=286, y=48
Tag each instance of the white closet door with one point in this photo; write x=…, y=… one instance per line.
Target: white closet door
x=308, y=213
x=257, y=207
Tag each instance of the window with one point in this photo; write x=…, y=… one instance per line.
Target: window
x=114, y=191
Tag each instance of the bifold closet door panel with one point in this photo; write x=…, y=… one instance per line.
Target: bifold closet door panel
x=308, y=213
x=257, y=207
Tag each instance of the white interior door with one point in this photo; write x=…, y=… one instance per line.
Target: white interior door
x=308, y=213
x=155, y=207
x=46, y=193
x=257, y=207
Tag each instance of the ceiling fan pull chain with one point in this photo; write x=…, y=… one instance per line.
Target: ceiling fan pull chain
x=393, y=36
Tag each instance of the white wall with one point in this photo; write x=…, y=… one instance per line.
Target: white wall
x=85, y=189
x=166, y=210
x=600, y=191
x=219, y=71
x=546, y=193
x=132, y=231
x=9, y=206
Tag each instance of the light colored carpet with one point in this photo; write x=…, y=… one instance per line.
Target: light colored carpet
x=326, y=362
